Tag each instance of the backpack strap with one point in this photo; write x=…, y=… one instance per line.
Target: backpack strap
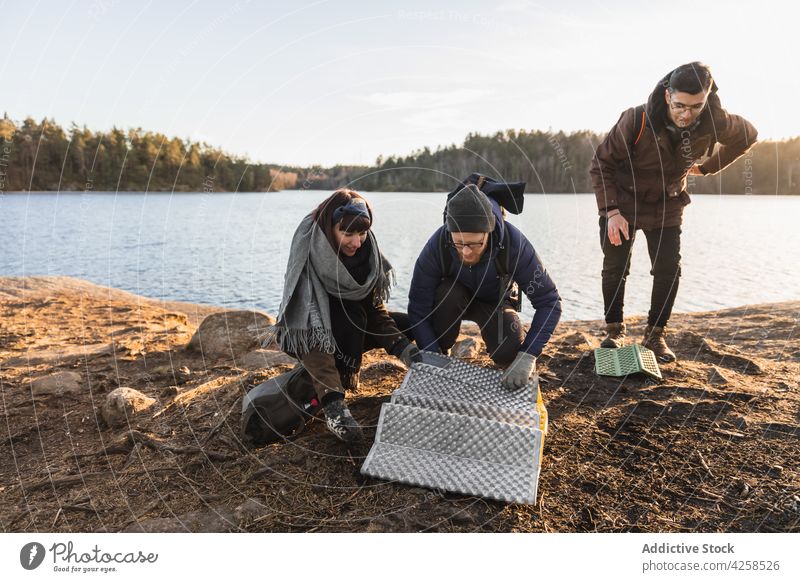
x=716, y=113
x=640, y=123
x=508, y=287
x=445, y=260
x=501, y=261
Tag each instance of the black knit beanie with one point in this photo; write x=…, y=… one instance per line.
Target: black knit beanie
x=469, y=211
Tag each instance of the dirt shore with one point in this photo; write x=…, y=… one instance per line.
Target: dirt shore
x=713, y=446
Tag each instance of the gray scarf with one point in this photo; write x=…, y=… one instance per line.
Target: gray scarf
x=314, y=271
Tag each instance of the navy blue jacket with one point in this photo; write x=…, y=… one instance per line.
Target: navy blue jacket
x=483, y=280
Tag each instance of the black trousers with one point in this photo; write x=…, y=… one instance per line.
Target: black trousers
x=354, y=336
x=664, y=247
x=501, y=329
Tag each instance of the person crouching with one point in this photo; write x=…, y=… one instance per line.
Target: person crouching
x=462, y=279
x=333, y=309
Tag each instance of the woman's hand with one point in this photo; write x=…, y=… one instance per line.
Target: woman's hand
x=410, y=355
x=405, y=350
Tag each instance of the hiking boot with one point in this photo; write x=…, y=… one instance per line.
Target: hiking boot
x=615, y=336
x=341, y=423
x=654, y=340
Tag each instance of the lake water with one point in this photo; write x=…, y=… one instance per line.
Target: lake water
x=231, y=249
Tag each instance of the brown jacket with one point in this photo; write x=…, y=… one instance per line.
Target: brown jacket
x=647, y=181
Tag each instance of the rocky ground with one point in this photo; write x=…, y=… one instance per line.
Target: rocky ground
x=711, y=447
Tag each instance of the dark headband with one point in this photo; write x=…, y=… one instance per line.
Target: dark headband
x=355, y=207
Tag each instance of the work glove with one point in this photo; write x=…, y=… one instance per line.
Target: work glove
x=519, y=372
x=406, y=351
x=410, y=354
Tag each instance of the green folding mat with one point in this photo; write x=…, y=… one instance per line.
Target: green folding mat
x=624, y=361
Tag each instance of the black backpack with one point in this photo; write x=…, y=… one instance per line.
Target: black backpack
x=279, y=408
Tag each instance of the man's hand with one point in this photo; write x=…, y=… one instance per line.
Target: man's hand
x=617, y=227
x=696, y=171
x=519, y=372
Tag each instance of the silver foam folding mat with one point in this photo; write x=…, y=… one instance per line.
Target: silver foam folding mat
x=467, y=392
x=464, y=454
x=453, y=426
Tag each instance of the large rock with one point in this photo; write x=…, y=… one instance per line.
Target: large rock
x=56, y=384
x=265, y=359
x=123, y=404
x=383, y=367
x=716, y=376
x=466, y=349
x=230, y=334
x=579, y=339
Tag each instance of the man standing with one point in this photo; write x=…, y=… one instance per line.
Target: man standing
x=467, y=270
x=639, y=176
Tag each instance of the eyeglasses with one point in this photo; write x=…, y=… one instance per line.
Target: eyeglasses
x=681, y=107
x=473, y=246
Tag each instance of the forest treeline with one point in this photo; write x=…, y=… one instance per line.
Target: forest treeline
x=37, y=156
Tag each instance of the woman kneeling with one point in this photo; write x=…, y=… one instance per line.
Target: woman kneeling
x=333, y=308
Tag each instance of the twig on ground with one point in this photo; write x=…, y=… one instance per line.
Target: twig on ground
x=220, y=424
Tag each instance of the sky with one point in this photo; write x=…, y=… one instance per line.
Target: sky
x=326, y=82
